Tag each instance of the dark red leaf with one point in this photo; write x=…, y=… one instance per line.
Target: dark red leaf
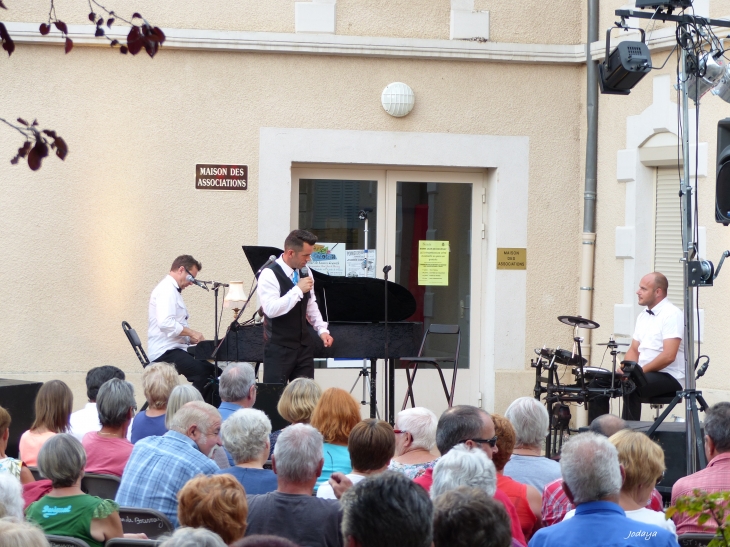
x=14, y=161
x=99, y=32
x=21, y=120
x=50, y=132
x=114, y=43
x=110, y=22
x=100, y=22
x=2, y=5
x=36, y=155
x=123, y=50
x=135, y=40
x=7, y=41
x=157, y=31
x=23, y=150
x=69, y=45
x=137, y=15
x=44, y=29
x=151, y=48
x=61, y=148
x=35, y=122
x=92, y=16
x=60, y=25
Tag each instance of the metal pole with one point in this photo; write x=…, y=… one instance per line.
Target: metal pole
x=688, y=255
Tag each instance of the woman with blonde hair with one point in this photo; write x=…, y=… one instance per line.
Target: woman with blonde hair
x=53, y=406
x=158, y=381
x=179, y=397
x=335, y=415
x=216, y=503
x=643, y=463
x=296, y=404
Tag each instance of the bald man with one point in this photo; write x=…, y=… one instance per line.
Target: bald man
x=657, y=346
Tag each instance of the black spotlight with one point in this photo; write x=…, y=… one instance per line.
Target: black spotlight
x=625, y=66
x=722, y=181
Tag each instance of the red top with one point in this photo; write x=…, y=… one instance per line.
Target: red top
x=106, y=455
x=426, y=480
x=713, y=478
x=517, y=493
x=555, y=504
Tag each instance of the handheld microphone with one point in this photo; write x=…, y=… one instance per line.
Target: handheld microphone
x=304, y=272
x=194, y=281
x=271, y=260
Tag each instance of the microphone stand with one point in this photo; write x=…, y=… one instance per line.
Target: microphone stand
x=391, y=366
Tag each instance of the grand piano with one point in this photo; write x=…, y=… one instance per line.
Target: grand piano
x=354, y=307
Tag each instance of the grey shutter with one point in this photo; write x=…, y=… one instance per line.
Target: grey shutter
x=668, y=232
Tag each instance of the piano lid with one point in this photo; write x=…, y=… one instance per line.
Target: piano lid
x=352, y=299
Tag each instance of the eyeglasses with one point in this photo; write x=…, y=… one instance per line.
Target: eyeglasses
x=491, y=442
x=399, y=431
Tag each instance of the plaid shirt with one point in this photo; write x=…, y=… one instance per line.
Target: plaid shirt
x=555, y=504
x=713, y=478
x=156, y=471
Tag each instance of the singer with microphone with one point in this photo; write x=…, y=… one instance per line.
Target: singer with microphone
x=287, y=298
x=168, y=333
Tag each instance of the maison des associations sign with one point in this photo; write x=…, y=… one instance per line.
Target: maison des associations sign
x=210, y=176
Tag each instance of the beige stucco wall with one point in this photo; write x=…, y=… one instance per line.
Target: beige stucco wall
x=86, y=240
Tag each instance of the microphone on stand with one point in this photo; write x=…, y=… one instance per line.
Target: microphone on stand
x=271, y=260
x=194, y=281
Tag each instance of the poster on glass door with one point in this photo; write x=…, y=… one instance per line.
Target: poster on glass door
x=329, y=258
x=361, y=263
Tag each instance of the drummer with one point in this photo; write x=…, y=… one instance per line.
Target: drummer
x=657, y=346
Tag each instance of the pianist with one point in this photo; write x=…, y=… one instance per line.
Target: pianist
x=168, y=334
x=288, y=302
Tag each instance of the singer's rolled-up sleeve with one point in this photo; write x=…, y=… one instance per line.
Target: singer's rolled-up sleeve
x=314, y=316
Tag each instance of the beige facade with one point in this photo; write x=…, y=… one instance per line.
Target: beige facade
x=86, y=240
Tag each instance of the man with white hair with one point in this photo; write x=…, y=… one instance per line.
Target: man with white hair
x=237, y=389
x=592, y=479
x=160, y=466
x=291, y=511
x=527, y=465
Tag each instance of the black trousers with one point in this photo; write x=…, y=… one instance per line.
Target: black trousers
x=199, y=373
x=283, y=364
x=658, y=383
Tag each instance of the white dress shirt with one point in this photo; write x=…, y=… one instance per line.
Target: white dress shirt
x=275, y=305
x=168, y=317
x=651, y=331
x=84, y=420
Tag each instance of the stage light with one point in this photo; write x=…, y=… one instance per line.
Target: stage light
x=722, y=89
x=625, y=66
x=713, y=68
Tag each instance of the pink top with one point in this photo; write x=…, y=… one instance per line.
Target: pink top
x=106, y=455
x=30, y=444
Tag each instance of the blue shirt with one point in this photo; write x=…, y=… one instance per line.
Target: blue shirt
x=602, y=524
x=254, y=481
x=226, y=409
x=156, y=471
x=144, y=426
x=336, y=458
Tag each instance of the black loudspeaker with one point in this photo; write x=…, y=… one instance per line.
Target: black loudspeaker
x=671, y=436
x=267, y=397
x=722, y=180
x=18, y=398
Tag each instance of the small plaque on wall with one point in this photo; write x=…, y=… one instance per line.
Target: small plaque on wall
x=511, y=259
x=210, y=176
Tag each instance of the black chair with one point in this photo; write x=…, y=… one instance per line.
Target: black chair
x=129, y=542
x=65, y=541
x=133, y=338
x=35, y=472
x=695, y=540
x=103, y=486
x=145, y=521
x=433, y=330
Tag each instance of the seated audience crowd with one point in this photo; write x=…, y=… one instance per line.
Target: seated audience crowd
x=331, y=478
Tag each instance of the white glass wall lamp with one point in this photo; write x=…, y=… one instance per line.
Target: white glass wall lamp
x=398, y=99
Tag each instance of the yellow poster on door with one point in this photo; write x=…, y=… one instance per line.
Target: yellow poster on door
x=433, y=263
